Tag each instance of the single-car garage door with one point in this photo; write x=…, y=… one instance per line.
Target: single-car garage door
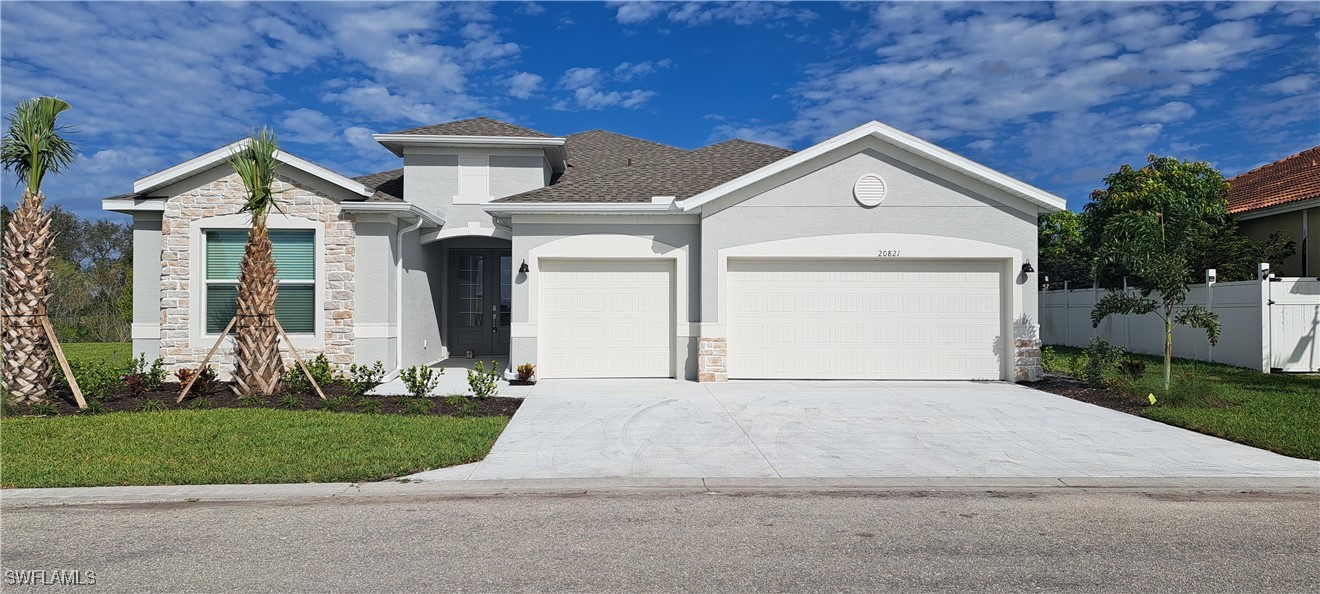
x=606, y=318
x=865, y=319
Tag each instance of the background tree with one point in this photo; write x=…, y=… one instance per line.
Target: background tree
x=31, y=148
x=1149, y=224
x=257, y=365
x=1064, y=256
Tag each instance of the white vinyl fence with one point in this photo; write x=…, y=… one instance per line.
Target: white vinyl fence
x=1270, y=325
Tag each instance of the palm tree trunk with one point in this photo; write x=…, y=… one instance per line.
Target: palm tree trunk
x=258, y=365
x=24, y=293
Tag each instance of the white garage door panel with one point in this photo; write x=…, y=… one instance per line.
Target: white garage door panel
x=854, y=319
x=606, y=318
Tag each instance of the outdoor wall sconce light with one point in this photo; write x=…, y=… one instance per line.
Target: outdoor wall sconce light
x=524, y=269
x=1026, y=267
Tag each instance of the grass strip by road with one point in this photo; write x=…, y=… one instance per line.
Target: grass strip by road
x=220, y=446
x=1277, y=412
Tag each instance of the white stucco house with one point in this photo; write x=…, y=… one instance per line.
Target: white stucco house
x=872, y=255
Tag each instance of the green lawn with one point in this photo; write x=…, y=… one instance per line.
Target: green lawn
x=98, y=351
x=1278, y=412
x=234, y=446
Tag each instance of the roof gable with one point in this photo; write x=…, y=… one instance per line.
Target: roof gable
x=196, y=165
x=1291, y=179
x=901, y=140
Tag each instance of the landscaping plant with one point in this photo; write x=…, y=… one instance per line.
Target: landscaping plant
x=322, y=371
x=32, y=146
x=257, y=362
x=420, y=380
x=1157, y=221
x=1101, y=360
x=484, y=382
x=525, y=372
x=363, y=379
x=203, y=385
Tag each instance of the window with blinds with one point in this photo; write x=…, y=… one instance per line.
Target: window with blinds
x=295, y=270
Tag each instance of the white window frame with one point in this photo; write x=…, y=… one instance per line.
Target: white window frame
x=198, y=335
x=476, y=165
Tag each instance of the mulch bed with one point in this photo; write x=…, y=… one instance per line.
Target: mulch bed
x=222, y=396
x=1078, y=390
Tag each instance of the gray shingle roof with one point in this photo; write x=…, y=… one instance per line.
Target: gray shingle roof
x=594, y=152
x=681, y=174
x=475, y=127
x=388, y=185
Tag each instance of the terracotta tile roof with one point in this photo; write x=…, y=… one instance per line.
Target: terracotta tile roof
x=681, y=174
x=388, y=185
x=475, y=127
x=1292, y=179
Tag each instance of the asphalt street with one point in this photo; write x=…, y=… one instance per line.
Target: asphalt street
x=951, y=540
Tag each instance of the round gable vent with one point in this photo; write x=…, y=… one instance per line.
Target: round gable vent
x=869, y=190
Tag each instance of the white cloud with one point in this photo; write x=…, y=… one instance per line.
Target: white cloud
x=576, y=78
x=1292, y=85
x=630, y=13
x=592, y=98
x=1173, y=111
x=307, y=126
x=984, y=144
x=627, y=71
x=523, y=85
x=704, y=13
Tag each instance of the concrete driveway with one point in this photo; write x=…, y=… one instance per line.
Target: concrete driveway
x=668, y=428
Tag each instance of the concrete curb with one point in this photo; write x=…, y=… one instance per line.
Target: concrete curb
x=16, y=498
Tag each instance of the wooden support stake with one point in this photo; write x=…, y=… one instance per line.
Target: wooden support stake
x=202, y=368
x=64, y=363
x=297, y=358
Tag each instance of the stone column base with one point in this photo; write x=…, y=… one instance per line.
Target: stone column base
x=1026, y=353
x=712, y=357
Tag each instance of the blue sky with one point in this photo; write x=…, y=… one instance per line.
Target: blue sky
x=1055, y=94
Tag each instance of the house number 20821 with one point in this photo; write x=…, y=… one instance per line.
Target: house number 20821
x=888, y=253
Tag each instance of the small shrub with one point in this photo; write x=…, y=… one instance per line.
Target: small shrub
x=294, y=380
x=1050, y=360
x=339, y=403
x=201, y=403
x=416, y=405
x=136, y=383
x=420, y=380
x=94, y=407
x=290, y=402
x=1077, y=365
x=362, y=379
x=204, y=384
x=1189, y=389
x=526, y=372
x=483, y=382
x=152, y=405
x=151, y=377
x=1101, y=360
x=368, y=405
x=252, y=400
x=98, y=380
x=467, y=407
x=1131, y=369
x=44, y=409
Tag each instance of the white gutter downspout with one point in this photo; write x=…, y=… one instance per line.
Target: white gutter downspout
x=398, y=301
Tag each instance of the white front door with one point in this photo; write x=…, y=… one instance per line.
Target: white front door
x=865, y=319
x=606, y=318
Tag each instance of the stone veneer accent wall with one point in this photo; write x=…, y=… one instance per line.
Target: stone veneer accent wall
x=1026, y=352
x=224, y=197
x=712, y=360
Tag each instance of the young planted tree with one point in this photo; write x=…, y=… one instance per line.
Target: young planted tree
x=31, y=148
x=258, y=366
x=1158, y=217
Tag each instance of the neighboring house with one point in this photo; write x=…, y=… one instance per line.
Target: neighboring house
x=872, y=255
x=1284, y=197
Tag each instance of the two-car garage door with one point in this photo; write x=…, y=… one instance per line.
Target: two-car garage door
x=865, y=319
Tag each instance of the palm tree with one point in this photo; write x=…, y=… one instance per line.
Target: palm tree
x=257, y=365
x=31, y=147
